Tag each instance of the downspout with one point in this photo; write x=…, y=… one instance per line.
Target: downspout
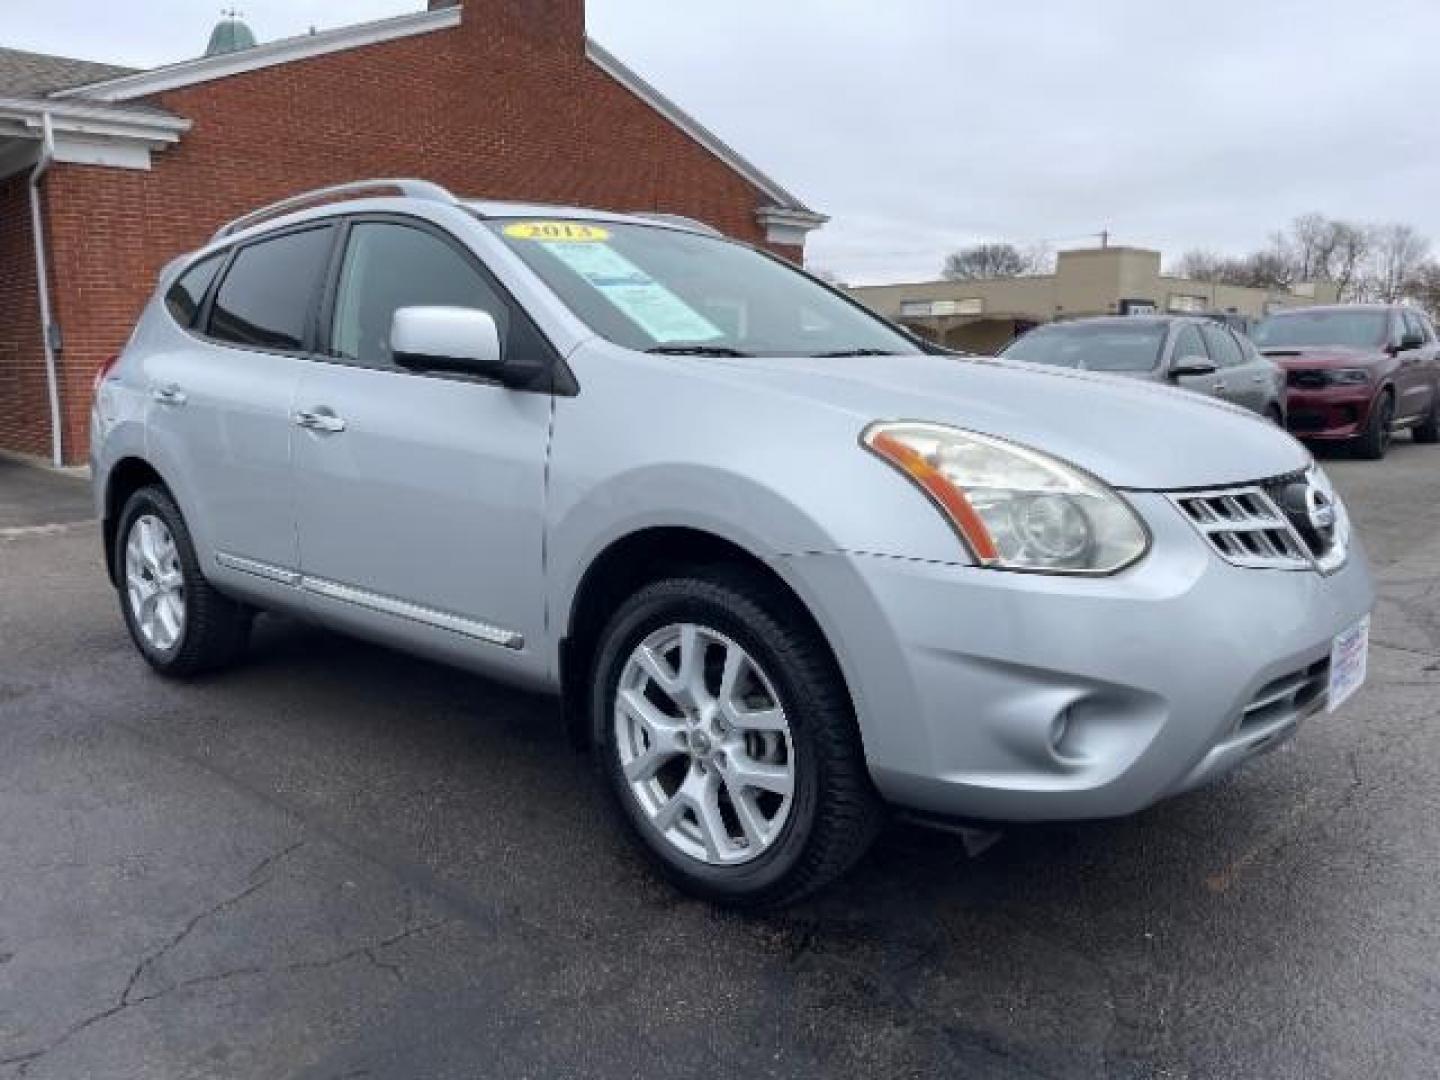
x=42, y=285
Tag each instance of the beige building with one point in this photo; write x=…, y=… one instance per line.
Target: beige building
x=982, y=316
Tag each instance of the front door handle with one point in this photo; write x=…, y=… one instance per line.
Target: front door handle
x=1219, y=387
x=321, y=420
x=168, y=395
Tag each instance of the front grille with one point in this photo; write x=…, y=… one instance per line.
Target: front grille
x=1306, y=420
x=1269, y=526
x=1288, y=697
x=1308, y=380
x=1246, y=527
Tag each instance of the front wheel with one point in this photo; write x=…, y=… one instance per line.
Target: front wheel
x=179, y=622
x=1374, y=443
x=727, y=738
x=1428, y=430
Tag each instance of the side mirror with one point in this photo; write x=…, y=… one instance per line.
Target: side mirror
x=1409, y=341
x=1192, y=365
x=465, y=341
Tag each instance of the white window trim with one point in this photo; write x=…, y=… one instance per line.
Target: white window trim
x=85, y=133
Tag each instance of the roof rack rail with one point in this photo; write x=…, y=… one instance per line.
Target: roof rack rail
x=414, y=189
x=677, y=219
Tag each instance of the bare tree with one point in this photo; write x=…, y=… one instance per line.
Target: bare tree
x=1353, y=242
x=1308, y=246
x=1199, y=264
x=1261, y=269
x=1424, y=286
x=1264, y=270
x=981, y=261
x=1399, y=252
x=1041, y=257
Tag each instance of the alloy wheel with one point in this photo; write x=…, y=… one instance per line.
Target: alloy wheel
x=155, y=582
x=704, y=744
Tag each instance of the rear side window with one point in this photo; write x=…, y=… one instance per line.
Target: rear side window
x=1188, y=344
x=265, y=298
x=1413, y=325
x=188, y=292
x=389, y=266
x=1223, y=348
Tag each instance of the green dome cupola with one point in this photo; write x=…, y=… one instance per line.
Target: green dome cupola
x=230, y=35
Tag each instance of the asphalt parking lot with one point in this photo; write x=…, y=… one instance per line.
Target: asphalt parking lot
x=340, y=862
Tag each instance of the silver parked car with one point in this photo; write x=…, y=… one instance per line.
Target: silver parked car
x=1193, y=353
x=784, y=567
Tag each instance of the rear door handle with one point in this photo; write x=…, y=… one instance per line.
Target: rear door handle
x=1219, y=386
x=168, y=395
x=321, y=420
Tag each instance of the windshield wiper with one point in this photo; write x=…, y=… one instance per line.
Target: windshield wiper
x=696, y=349
x=856, y=352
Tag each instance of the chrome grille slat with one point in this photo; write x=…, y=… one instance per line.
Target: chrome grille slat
x=1245, y=527
x=1255, y=525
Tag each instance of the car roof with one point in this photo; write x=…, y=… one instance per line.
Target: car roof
x=1129, y=320
x=1313, y=309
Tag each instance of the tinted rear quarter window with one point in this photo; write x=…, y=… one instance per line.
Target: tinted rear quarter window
x=266, y=297
x=188, y=292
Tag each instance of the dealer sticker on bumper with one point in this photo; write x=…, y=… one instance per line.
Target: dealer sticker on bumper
x=1348, y=654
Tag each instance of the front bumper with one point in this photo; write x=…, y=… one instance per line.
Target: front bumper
x=1336, y=412
x=991, y=695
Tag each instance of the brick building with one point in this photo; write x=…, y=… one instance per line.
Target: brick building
x=122, y=170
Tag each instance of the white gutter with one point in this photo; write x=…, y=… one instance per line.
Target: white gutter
x=42, y=286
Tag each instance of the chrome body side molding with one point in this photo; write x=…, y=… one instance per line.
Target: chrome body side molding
x=385, y=605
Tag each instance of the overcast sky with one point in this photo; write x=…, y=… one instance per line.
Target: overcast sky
x=923, y=125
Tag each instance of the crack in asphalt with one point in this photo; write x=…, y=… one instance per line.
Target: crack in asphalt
x=129, y=999
x=250, y=890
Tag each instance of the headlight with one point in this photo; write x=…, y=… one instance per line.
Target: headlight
x=1015, y=508
x=1349, y=376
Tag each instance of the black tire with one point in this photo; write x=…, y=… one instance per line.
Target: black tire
x=1374, y=444
x=216, y=629
x=1275, y=416
x=835, y=813
x=1428, y=430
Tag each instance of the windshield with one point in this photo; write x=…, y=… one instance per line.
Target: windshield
x=662, y=290
x=1361, y=329
x=1093, y=346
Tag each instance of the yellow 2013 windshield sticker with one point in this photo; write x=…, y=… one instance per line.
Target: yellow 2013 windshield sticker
x=570, y=232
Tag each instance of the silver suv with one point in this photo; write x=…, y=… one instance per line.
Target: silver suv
x=784, y=566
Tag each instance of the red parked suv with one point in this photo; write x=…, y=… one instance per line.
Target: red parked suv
x=1357, y=372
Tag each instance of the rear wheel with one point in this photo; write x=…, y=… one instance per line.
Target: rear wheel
x=180, y=624
x=727, y=738
x=1275, y=416
x=1374, y=443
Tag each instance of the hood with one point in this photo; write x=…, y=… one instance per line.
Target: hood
x=1298, y=357
x=1131, y=434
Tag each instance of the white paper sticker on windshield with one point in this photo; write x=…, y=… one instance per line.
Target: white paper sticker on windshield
x=640, y=298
